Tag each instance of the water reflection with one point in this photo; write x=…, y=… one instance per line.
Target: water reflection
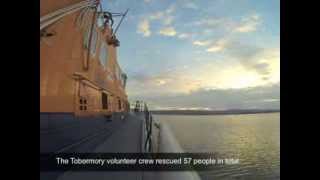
x=253, y=139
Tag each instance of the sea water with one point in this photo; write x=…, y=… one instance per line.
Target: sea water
x=253, y=139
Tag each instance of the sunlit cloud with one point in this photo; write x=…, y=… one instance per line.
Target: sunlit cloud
x=164, y=17
x=144, y=28
x=180, y=108
x=168, y=31
x=157, y=15
x=162, y=14
x=184, y=36
x=201, y=43
x=206, y=76
x=211, y=22
x=248, y=24
x=271, y=100
x=235, y=76
x=164, y=83
x=218, y=46
x=215, y=48
x=266, y=62
x=262, y=97
x=161, y=82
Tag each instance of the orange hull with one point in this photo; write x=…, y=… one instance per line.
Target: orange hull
x=79, y=70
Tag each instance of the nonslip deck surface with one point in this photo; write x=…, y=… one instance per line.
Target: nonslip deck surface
x=125, y=136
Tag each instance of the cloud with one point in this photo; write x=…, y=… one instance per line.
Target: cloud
x=213, y=23
x=261, y=97
x=201, y=43
x=168, y=20
x=262, y=68
x=170, y=9
x=157, y=15
x=220, y=45
x=271, y=100
x=164, y=17
x=190, y=5
x=248, y=24
x=144, y=28
x=213, y=47
x=147, y=1
x=265, y=61
x=168, y=31
x=184, y=36
x=165, y=82
x=183, y=80
x=161, y=82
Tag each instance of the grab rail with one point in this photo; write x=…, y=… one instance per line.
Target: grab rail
x=148, y=125
x=141, y=107
x=50, y=18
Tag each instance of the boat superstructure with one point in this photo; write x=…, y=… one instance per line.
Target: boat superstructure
x=79, y=69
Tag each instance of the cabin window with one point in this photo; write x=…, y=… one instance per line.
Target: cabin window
x=83, y=104
x=103, y=57
x=104, y=101
x=119, y=103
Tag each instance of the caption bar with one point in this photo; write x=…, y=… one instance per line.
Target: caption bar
x=132, y=161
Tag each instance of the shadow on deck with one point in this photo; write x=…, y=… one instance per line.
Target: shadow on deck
x=96, y=134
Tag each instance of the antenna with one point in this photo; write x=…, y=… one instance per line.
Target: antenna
x=120, y=22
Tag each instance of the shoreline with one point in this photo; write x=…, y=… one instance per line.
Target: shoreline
x=203, y=113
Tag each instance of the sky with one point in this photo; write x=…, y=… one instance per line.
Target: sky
x=200, y=54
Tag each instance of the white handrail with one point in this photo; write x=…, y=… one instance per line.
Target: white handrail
x=169, y=144
x=56, y=15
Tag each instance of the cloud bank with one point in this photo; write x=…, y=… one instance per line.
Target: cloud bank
x=262, y=97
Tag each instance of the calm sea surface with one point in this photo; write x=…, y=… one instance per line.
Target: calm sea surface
x=254, y=139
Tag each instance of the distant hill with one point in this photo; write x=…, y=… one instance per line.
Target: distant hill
x=214, y=112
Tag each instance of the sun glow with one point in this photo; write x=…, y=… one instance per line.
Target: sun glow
x=233, y=77
x=244, y=81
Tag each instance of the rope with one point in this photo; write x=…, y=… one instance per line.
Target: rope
x=56, y=15
x=63, y=10
x=79, y=19
x=93, y=22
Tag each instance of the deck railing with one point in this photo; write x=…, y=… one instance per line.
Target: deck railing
x=148, y=125
x=141, y=107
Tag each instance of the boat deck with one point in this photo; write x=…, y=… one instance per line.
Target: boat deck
x=125, y=136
